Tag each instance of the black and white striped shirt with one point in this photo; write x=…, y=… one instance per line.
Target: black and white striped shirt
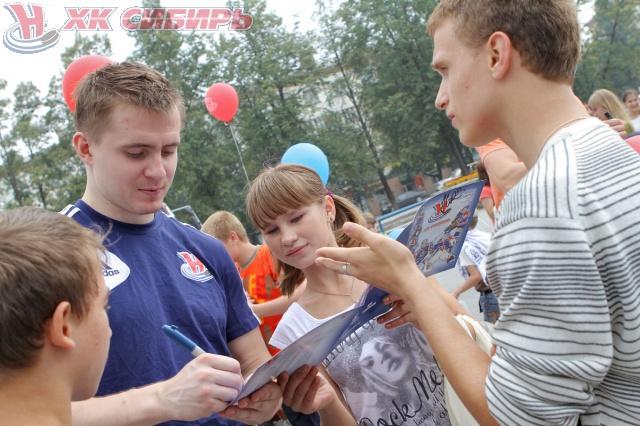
x=565, y=261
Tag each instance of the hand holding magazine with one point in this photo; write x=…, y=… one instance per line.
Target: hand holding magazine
x=435, y=238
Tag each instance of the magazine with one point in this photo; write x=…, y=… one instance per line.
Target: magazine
x=435, y=238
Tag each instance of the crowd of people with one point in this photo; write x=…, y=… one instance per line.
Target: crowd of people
x=84, y=294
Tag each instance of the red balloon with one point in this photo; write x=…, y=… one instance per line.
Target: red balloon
x=76, y=71
x=221, y=101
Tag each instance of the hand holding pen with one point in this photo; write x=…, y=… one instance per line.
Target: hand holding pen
x=221, y=379
x=203, y=386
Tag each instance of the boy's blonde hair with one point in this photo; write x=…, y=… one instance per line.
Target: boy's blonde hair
x=222, y=223
x=545, y=33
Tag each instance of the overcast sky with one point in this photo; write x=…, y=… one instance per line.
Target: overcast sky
x=40, y=67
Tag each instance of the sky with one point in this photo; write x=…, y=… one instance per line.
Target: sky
x=40, y=67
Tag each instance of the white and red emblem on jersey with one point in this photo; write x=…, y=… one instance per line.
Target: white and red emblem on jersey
x=193, y=268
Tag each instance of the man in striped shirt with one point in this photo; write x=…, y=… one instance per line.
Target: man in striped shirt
x=565, y=257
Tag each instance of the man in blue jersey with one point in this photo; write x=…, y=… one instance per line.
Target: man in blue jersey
x=128, y=120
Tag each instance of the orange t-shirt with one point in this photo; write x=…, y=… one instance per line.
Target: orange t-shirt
x=260, y=280
x=486, y=192
x=485, y=150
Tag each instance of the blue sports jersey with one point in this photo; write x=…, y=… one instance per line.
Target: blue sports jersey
x=165, y=272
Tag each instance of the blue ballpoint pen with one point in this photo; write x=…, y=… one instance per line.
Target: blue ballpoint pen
x=172, y=332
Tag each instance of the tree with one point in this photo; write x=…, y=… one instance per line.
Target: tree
x=11, y=161
x=272, y=68
x=384, y=48
x=29, y=133
x=12, y=167
x=37, y=161
x=360, y=88
x=611, y=50
x=347, y=86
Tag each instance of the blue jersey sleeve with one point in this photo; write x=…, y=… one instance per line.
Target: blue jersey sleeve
x=240, y=317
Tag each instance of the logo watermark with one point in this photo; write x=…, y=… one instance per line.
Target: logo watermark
x=29, y=33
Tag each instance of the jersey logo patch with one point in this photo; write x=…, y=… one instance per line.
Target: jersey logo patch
x=114, y=270
x=193, y=268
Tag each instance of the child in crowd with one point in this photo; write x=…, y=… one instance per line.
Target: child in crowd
x=471, y=264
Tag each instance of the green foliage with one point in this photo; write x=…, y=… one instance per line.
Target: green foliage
x=611, y=50
x=38, y=165
x=384, y=46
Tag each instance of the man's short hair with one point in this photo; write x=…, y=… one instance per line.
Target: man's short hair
x=545, y=33
x=45, y=258
x=221, y=223
x=125, y=83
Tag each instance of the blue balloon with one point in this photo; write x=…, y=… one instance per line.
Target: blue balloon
x=309, y=155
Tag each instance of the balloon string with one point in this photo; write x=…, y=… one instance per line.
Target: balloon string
x=235, y=140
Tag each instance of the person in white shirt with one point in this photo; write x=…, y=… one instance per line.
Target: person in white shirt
x=471, y=265
x=376, y=370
